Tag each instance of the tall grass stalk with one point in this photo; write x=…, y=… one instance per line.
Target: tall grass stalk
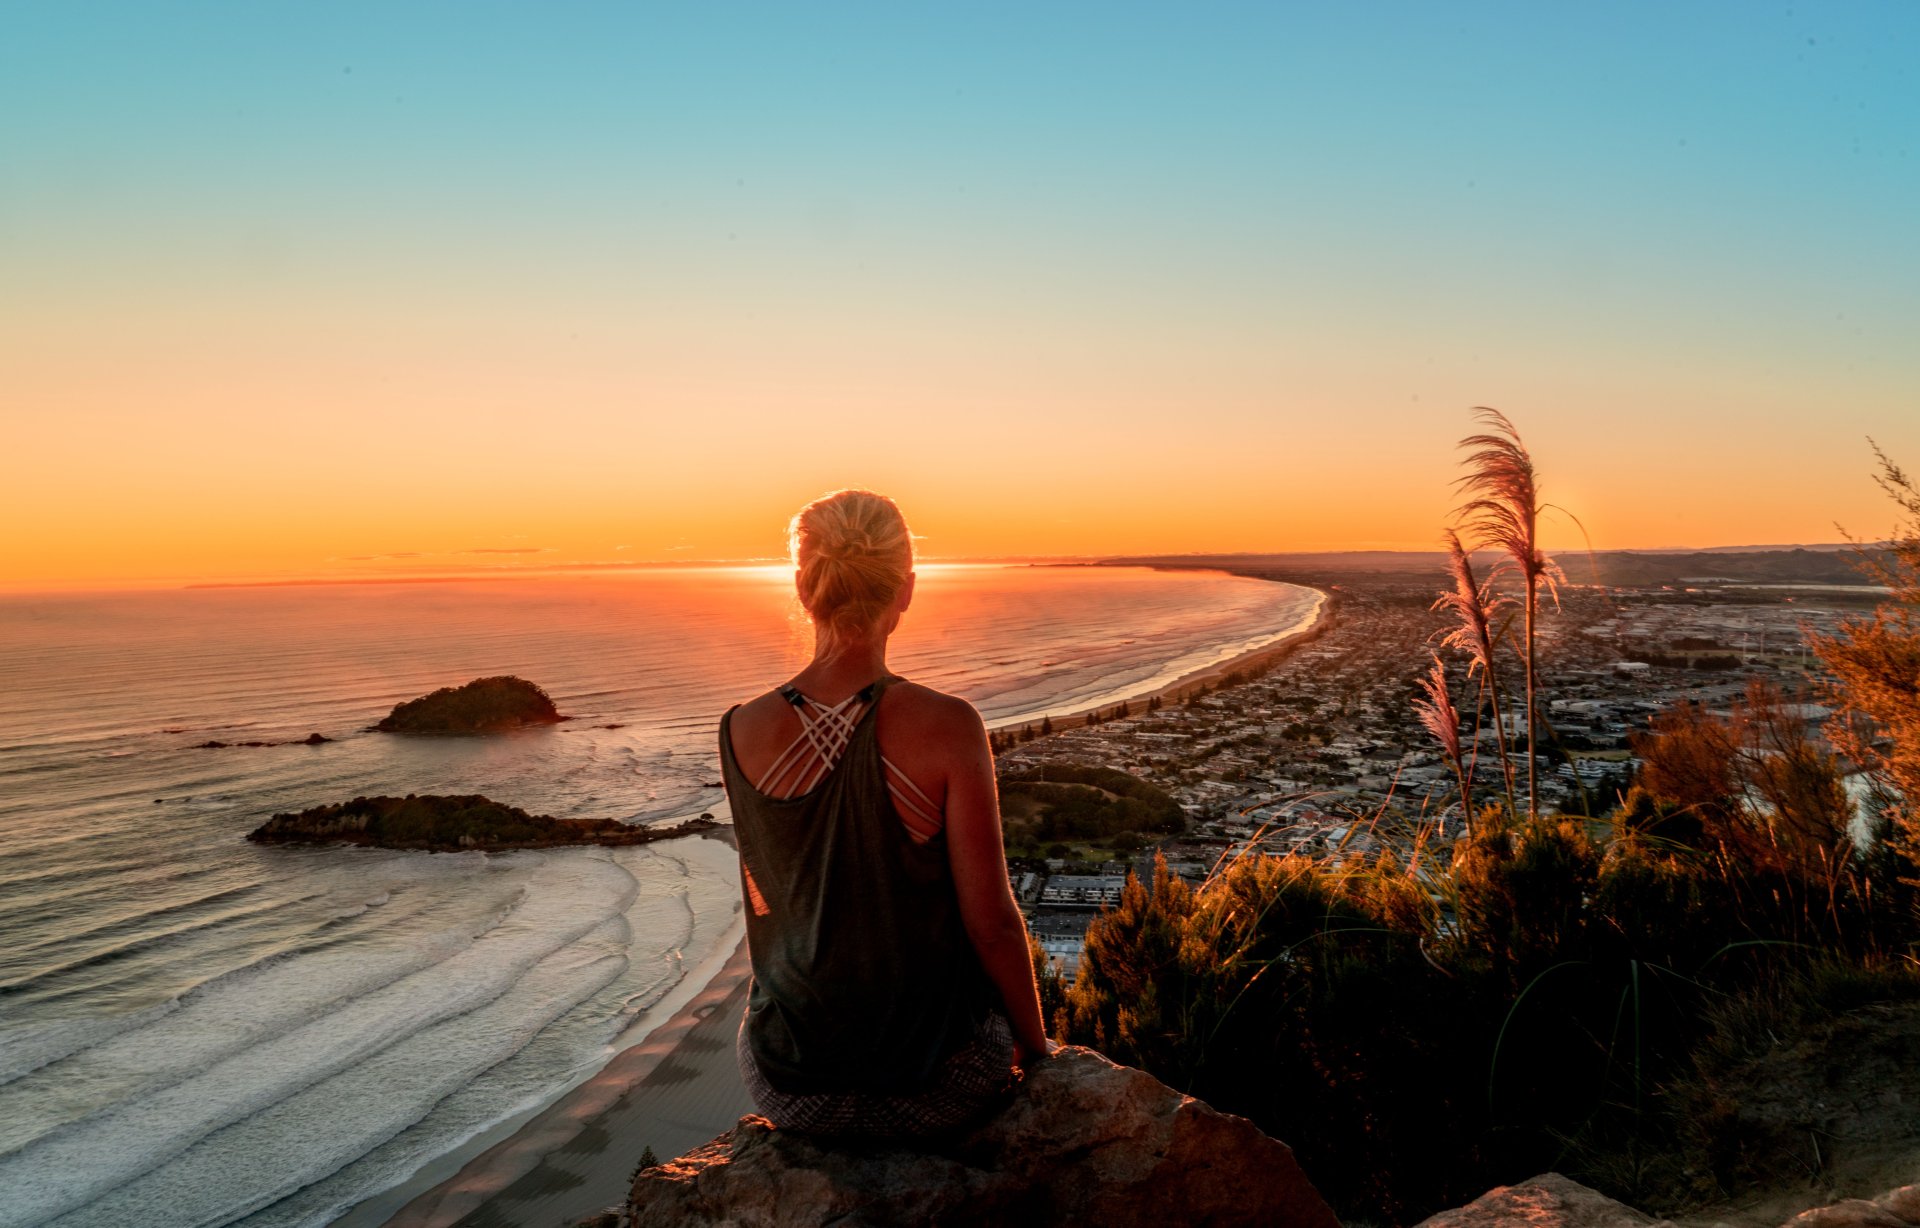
x=1502, y=512
x=1442, y=720
x=1475, y=610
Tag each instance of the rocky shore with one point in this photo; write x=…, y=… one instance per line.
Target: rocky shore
x=446, y=824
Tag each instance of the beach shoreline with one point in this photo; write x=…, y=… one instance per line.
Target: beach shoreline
x=454, y=1185
x=436, y=1197
x=1206, y=677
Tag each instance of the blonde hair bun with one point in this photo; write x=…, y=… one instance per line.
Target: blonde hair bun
x=852, y=552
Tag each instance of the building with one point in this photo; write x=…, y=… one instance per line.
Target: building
x=1082, y=891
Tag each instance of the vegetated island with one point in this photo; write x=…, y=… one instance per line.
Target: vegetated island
x=485, y=705
x=447, y=824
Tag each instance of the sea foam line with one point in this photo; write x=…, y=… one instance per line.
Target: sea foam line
x=569, y=896
x=307, y=1137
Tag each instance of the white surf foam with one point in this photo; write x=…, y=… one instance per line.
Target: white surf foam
x=568, y=894
x=226, y=1017
x=304, y=1137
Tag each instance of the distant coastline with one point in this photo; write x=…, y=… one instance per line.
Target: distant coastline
x=1255, y=659
x=1741, y=565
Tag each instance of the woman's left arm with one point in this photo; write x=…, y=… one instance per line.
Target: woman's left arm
x=977, y=853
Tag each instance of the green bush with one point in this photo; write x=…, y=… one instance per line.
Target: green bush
x=1420, y=1030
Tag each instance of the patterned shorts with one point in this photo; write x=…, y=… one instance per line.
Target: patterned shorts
x=968, y=1084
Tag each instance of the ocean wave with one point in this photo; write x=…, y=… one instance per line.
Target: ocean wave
x=29, y=1044
x=126, y=920
x=297, y=1144
x=279, y=991
x=30, y=982
x=568, y=897
x=702, y=878
x=135, y=867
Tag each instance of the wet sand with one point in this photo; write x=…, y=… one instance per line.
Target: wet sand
x=672, y=1092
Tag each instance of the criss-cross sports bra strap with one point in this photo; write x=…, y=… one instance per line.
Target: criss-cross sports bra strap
x=825, y=731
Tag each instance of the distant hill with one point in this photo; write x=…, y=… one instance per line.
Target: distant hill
x=1821, y=564
x=1777, y=547
x=1799, y=565
x=1331, y=562
x=485, y=705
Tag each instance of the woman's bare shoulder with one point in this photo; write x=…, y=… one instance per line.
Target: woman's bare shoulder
x=757, y=715
x=930, y=712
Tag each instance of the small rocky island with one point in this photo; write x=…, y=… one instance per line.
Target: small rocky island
x=447, y=824
x=485, y=705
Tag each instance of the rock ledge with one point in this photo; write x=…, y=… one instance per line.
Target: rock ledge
x=1083, y=1142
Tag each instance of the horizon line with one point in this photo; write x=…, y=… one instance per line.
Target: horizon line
x=467, y=575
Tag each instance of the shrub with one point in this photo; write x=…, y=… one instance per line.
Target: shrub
x=1421, y=1028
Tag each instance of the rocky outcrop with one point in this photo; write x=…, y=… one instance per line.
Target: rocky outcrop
x=1552, y=1201
x=1546, y=1201
x=1897, y=1209
x=312, y=739
x=485, y=705
x=446, y=824
x=1083, y=1142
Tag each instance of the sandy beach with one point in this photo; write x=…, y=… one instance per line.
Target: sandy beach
x=676, y=1089
x=673, y=1091
x=1251, y=661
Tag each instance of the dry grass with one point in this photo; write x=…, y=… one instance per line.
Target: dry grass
x=1502, y=512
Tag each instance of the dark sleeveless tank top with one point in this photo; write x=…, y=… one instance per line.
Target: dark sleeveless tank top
x=864, y=979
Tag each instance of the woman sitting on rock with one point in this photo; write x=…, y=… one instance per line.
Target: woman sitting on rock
x=892, y=988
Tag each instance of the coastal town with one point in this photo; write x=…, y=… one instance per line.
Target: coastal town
x=1318, y=749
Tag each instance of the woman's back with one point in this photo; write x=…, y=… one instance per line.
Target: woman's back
x=864, y=976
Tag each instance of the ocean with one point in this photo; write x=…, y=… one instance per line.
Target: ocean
x=195, y=1030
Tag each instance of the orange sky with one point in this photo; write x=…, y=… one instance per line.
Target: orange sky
x=224, y=448
x=230, y=443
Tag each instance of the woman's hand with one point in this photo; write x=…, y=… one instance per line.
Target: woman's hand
x=1026, y=1058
